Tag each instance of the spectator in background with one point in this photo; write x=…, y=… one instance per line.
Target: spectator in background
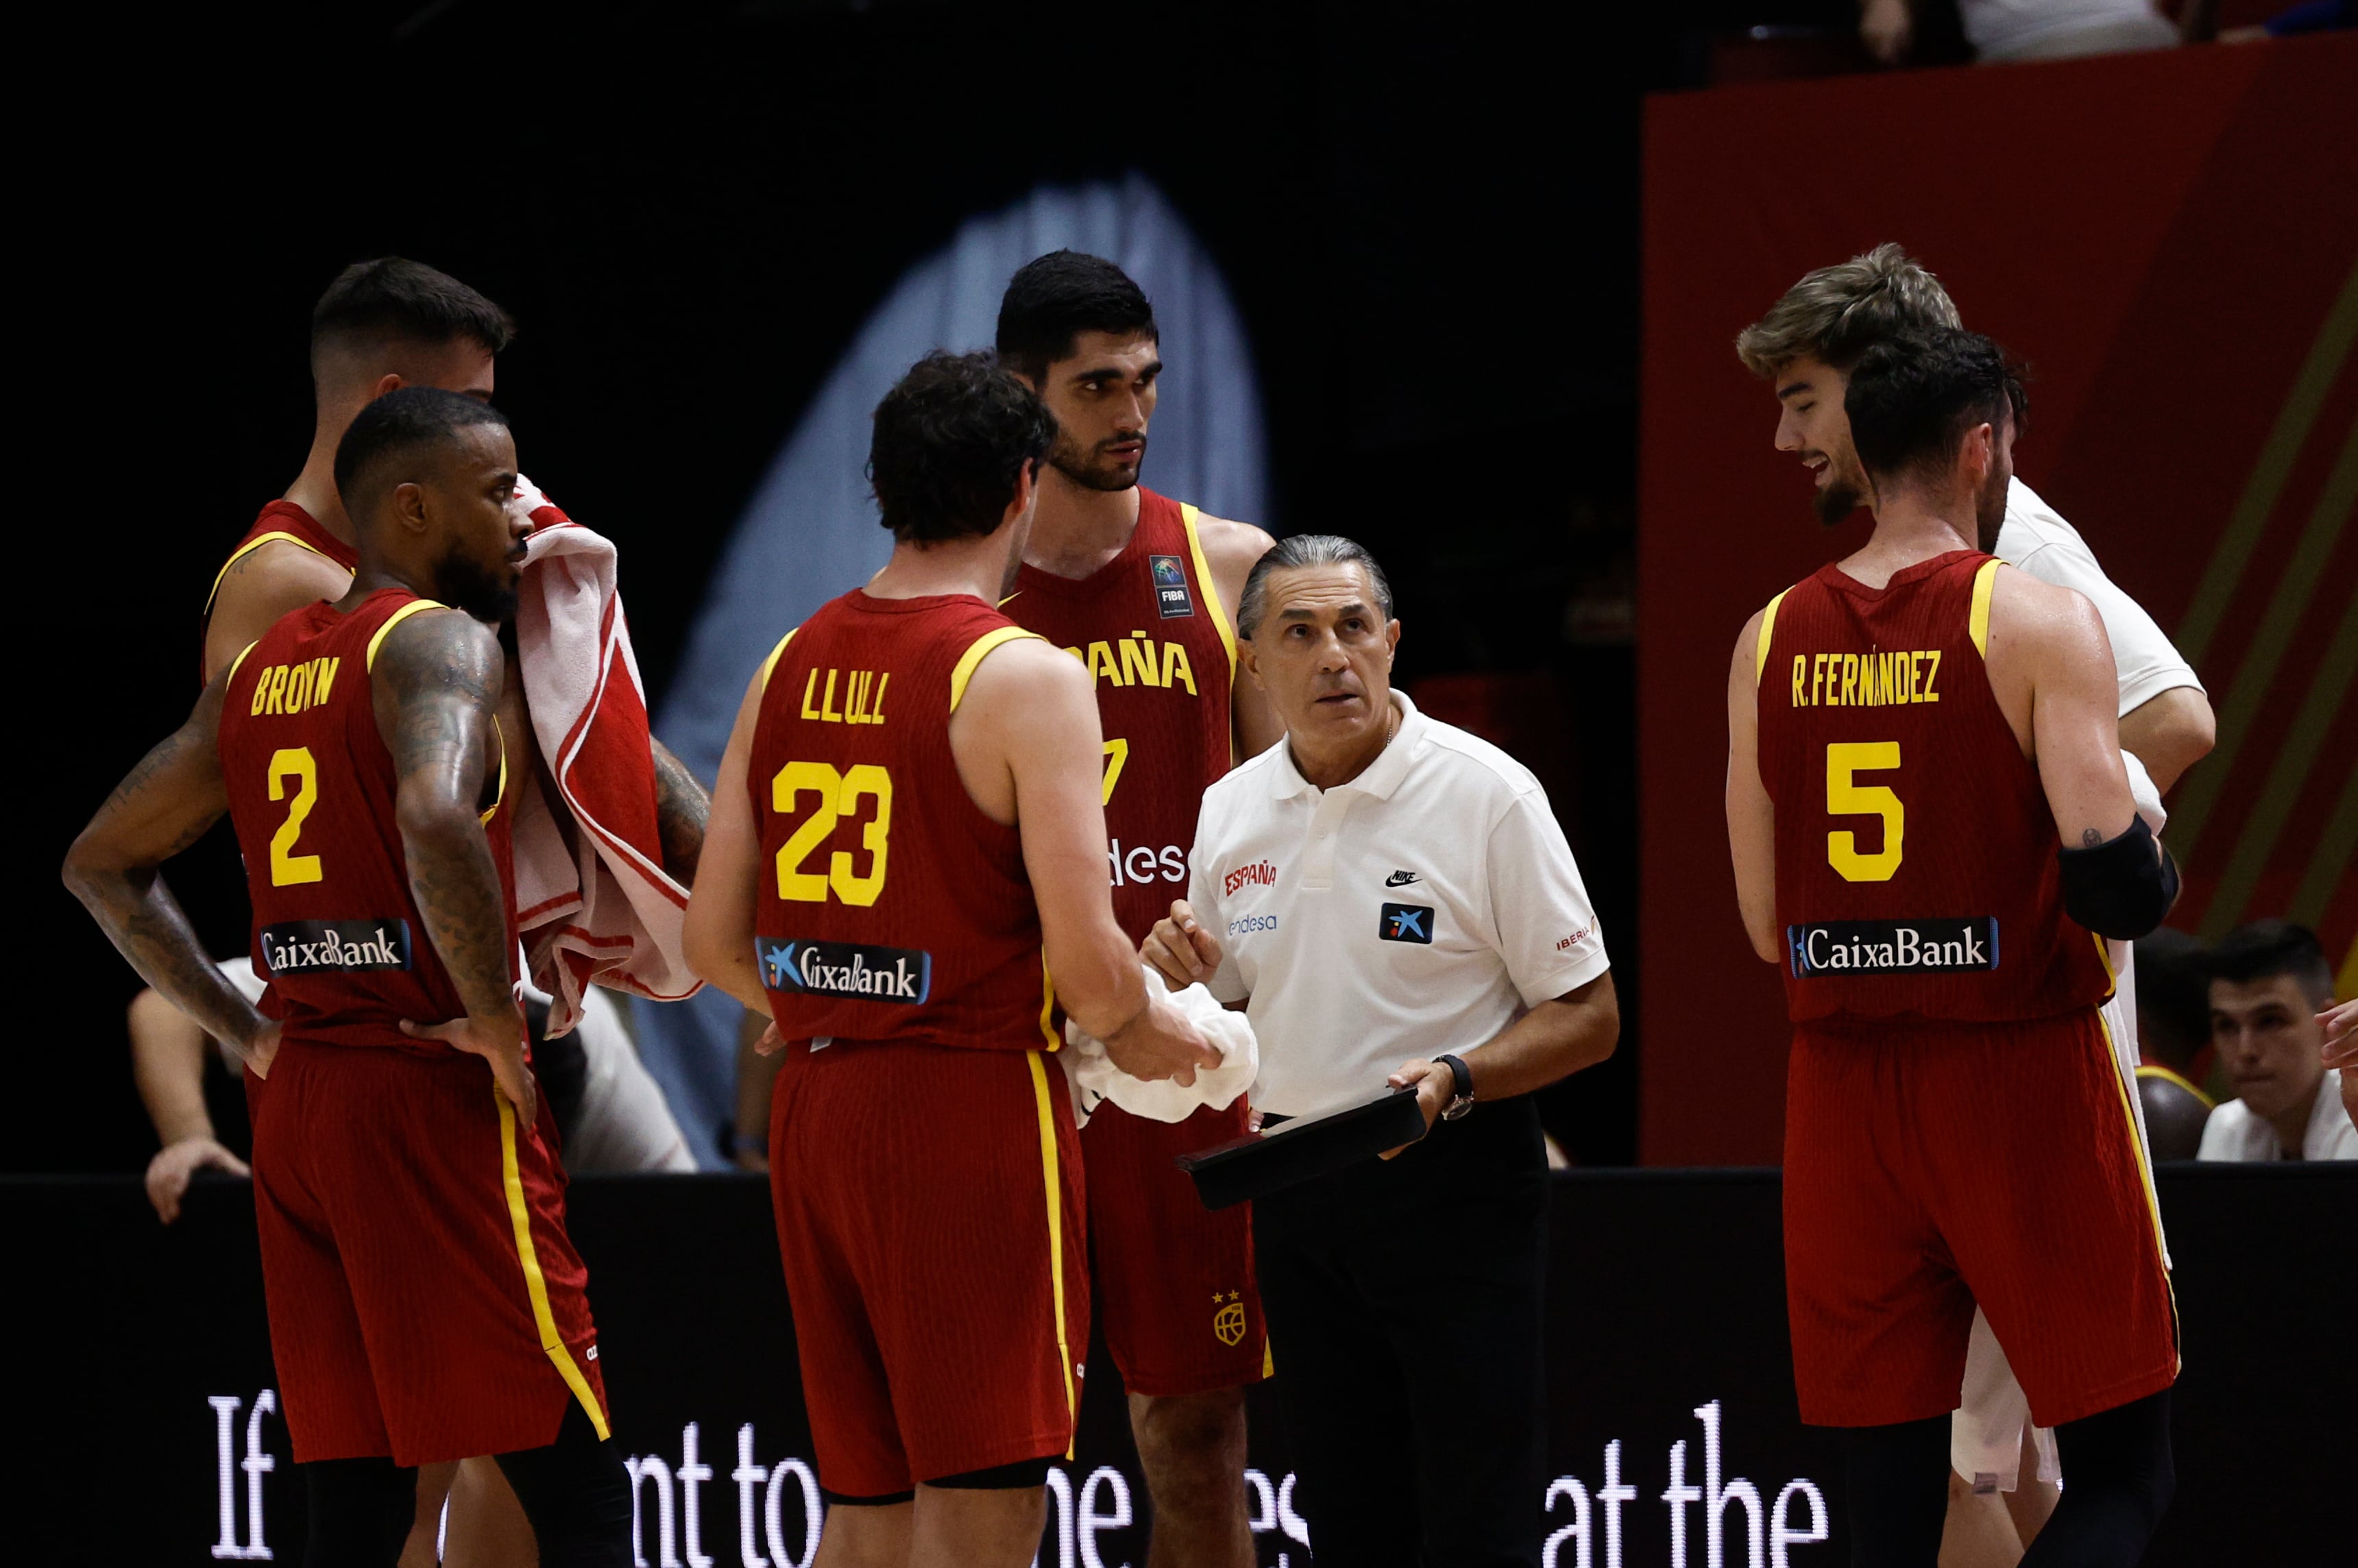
x=2002, y=31
x=2173, y=1022
x=2270, y=989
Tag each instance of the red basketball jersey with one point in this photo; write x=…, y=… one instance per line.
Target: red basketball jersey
x=311, y=790
x=890, y=907
x=1157, y=641
x=1916, y=870
x=282, y=520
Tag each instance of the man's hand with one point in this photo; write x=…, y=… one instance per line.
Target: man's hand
x=2341, y=1026
x=1159, y=1043
x=1180, y=949
x=168, y=1172
x=259, y=1051
x=500, y=1042
x=1435, y=1086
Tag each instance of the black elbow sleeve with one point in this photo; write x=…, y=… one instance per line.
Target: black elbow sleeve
x=2121, y=888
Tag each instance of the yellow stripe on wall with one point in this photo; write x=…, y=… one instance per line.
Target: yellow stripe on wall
x=1041, y=1095
x=534, y=1284
x=973, y=656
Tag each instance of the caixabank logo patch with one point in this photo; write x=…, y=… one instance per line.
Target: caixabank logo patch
x=1406, y=923
x=851, y=970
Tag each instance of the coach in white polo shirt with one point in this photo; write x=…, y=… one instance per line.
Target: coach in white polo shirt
x=1395, y=901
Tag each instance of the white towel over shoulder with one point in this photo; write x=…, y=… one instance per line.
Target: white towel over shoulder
x=601, y=908
x=1096, y=1079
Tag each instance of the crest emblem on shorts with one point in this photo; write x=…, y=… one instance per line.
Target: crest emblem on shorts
x=1171, y=595
x=1229, y=1317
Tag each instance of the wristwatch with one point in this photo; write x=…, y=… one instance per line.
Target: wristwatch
x=1462, y=1091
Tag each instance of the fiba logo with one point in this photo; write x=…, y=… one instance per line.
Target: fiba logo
x=1229, y=1317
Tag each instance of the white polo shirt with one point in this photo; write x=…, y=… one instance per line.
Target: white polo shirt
x=1419, y=908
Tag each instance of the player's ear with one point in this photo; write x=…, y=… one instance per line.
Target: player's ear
x=409, y=506
x=389, y=382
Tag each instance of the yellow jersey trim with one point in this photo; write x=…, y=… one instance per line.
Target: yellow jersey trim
x=1048, y=1174
x=2144, y=1178
x=2167, y=1075
x=1768, y=630
x=1984, y=580
x=536, y=1285
x=239, y=660
x=254, y=544
x=1048, y=1006
x=1187, y=515
x=395, y=619
x=772, y=662
x=973, y=656
x=500, y=735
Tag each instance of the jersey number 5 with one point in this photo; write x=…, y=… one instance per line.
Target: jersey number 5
x=839, y=795
x=1846, y=797
x=293, y=763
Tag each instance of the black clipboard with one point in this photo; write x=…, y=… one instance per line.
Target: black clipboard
x=1263, y=1162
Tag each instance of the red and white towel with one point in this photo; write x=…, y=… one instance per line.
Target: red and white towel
x=601, y=907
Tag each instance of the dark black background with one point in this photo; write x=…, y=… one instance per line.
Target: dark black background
x=1665, y=1291
x=1426, y=213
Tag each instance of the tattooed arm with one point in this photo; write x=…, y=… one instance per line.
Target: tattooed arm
x=163, y=807
x=436, y=688
x=682, y=808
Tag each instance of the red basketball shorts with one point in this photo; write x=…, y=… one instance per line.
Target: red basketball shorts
x=424, y=1301
x=929, y=1209
x=1174, y=1280
x=1930, y=1168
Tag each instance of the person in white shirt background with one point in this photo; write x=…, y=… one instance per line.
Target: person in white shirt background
x=1804, y=347
x=1396, y=904
x=2271, y=990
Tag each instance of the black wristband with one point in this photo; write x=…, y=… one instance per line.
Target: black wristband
x=1461, y=1080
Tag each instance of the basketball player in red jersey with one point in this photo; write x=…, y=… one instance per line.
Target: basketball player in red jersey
x=891, y=900
x=1138, y=588
x=1917, y=733
x=424, y=1301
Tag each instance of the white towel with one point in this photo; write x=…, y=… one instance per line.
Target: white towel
x=1096, y=1079
x=601, y=909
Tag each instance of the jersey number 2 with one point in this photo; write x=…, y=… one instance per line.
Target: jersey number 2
x=288, y=868
x=1847, y=798
x=839, y=795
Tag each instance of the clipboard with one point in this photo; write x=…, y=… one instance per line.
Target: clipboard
x=1302, y=1150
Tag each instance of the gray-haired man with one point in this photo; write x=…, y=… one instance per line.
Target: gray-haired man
x=1397, y=904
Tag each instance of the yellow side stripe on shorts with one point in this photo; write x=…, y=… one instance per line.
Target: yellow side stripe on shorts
x=1048, y=1036
x=2145, y=1175
x=1040, y=1094
x=534, y=1284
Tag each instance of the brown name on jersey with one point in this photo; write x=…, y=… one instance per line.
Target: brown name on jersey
x=291, y=688
x=1866, y=680
x=1137, y=664
x=863, y=696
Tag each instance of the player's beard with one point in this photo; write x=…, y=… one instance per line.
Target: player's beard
x=1092, y=470
x=488, y=595
x=1837, y=501
x=1989, y=512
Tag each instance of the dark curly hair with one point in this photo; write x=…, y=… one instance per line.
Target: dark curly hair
x=949, y=443
x=1912, y=398
x=1053, y=299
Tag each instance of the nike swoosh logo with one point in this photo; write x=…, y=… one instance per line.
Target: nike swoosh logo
x=1400, y=879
